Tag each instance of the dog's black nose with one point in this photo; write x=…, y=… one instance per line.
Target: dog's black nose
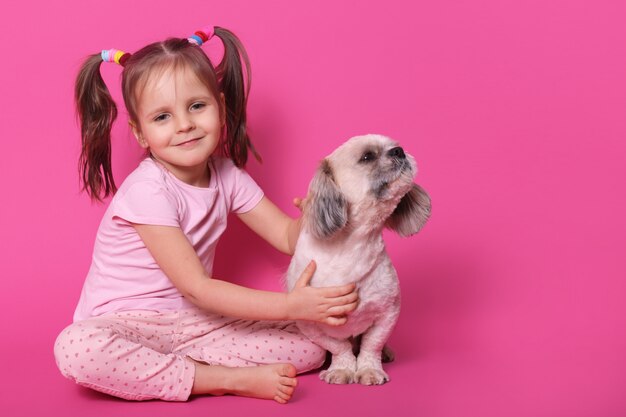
x=396, y=152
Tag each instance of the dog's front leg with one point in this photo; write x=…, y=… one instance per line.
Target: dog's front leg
x=369, y=367
x=343, y=366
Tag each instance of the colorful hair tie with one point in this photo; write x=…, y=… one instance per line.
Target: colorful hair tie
x=117, y=56
x=114, y=55
x=123, y=59
x=195, y=39
x=202, y=36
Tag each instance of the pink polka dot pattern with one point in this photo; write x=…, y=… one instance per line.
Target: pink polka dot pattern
x=141, y=355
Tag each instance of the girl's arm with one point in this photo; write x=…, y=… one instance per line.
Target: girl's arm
x=176, y=257
x=269, y=222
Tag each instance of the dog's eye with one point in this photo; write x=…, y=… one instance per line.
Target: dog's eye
x=368, y=157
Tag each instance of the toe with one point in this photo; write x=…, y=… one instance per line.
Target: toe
x=288, y=370
x=290, y=382
x=286, y=390
x=279, y=400
x=283, y=396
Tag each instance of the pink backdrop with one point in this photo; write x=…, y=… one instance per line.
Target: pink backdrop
x=513, y=295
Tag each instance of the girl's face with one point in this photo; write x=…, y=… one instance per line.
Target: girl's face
x=180, y=123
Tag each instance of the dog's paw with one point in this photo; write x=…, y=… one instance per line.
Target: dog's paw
x=371, y=376
x=338, y=376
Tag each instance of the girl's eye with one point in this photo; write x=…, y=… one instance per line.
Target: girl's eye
x=197, y=106
x=161, y=117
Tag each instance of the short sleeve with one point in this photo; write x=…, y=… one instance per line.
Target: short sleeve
x=242, y=192
x=147, y=202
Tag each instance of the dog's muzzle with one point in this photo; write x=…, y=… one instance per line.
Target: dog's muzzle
x=400, y=166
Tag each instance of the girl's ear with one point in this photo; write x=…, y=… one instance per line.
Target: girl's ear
x=411, y=213
x=137, y=133
x=326, y=209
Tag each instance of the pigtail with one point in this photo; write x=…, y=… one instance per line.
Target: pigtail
x=230, y=75
x=96, y=111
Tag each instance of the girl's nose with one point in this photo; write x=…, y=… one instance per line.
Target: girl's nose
x=185, y=124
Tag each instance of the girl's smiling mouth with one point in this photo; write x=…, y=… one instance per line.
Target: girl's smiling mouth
x=189, y=142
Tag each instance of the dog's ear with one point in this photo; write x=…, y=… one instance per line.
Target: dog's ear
x=411, y=213
x=326, y=211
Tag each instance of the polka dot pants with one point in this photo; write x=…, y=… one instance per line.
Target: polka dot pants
x=141, y=355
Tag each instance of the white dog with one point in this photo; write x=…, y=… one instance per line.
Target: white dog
x=363, y=186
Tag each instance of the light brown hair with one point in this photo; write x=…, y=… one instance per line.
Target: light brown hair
x=97, y=111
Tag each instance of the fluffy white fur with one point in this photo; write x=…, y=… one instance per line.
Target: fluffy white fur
x=363, y=186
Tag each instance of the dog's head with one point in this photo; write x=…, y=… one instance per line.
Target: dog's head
x=366, y=182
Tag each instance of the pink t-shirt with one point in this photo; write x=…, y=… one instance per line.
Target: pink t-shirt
x=123, y=274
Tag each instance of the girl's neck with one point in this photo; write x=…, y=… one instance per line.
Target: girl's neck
x=198, y=176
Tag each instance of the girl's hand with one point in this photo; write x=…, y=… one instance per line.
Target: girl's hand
x=299, y=203
x=328, y=305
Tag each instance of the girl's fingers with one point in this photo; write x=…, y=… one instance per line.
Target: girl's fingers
x=341, y=310
x=300, y=202
x=345, y=299
x=307, y=274
x=333, y=292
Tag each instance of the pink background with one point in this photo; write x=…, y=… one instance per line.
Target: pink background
x=513, y=295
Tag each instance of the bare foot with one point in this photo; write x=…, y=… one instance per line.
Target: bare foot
x=272, y=382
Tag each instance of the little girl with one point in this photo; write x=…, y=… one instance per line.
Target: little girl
x=152, y=321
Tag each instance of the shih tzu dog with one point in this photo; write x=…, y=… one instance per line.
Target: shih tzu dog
x=363, y=186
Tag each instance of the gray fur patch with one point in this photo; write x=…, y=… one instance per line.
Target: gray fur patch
x=411, y=213
x=328, y=209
